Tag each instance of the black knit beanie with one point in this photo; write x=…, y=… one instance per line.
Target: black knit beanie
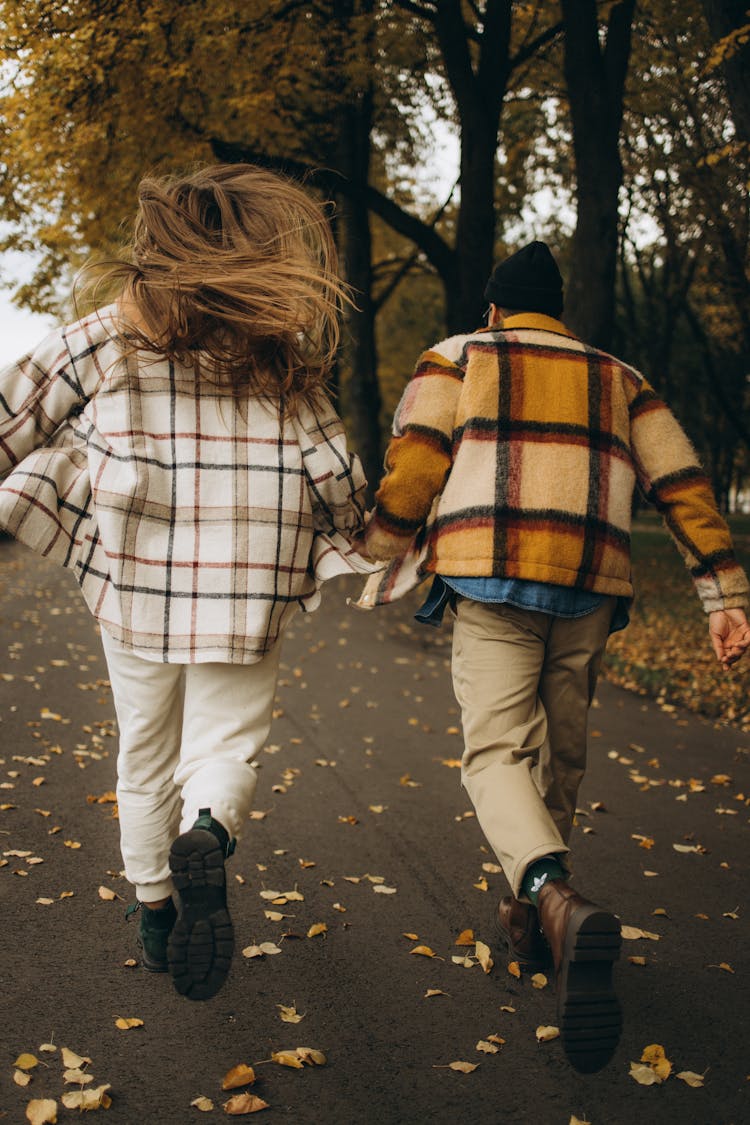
x=528, y=280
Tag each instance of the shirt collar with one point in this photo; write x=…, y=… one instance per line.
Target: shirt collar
x=539, y=321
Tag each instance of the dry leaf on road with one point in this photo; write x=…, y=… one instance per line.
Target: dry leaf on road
x=42, y=1111
x=546, y=1032
x=240, y=1075
x=244, y=1103
x=204, y=1104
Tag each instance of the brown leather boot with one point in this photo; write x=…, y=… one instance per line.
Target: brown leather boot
x=585, y=942
x=518, y=927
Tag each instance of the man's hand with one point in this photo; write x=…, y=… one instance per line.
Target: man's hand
x=730, y=635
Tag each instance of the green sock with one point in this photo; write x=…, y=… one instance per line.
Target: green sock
x=539, y=873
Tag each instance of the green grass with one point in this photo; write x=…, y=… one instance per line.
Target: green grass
x=665, y=652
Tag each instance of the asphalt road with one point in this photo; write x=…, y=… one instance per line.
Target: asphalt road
x=359, y=791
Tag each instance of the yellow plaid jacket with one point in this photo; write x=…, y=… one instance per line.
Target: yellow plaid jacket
x=515, y=453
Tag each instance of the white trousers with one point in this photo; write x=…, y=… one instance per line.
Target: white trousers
x=188, y=736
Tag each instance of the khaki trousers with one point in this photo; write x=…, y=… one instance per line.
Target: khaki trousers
x=525, y=681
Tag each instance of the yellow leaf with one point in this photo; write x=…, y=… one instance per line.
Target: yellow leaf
x=433, y=992
x=318, y=928
x=637, y=960
x=514, y=969
x=241, y=1075
x=26, y=1061
x=204, y=1104
x=106, y=895
x=539, y=980
x=311, y=1056
x=71, y=1060
x=45, y=901
x=632, y=933
x=287, y=1058
x=21, y=1078
x=726, y=967
x=482, y=885
x=289, y=1014
x=483, y=956
x=412, y=937
x=422, y=950
x=244, y=1103
x=466, y=937
x=655, y=1057
x=644, y=1075
x=97, y=1098
x=486, y=1047
x=41, y=1111
x=377, y=808
x=381, y=889
x=467, y=962
x=492, y=868
x=691, y=1078
x=577, y=1121
x=507, y=1008
x=125, y=1023
x=546, y=1032
x=463, y=1067
x=660, y=912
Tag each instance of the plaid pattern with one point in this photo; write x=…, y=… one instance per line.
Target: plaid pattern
x=194, y=527
x=529, y=443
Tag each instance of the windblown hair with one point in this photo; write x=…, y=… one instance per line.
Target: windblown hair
x=233, y=271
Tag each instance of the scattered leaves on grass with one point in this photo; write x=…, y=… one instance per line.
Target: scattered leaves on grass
x=240, y=1075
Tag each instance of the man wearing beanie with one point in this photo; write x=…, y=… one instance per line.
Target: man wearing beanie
x=510, y=477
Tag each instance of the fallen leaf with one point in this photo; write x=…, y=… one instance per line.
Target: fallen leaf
x=691, y=1078
x=637, y=960
x=26, y=1061
x=684, y=848
x=660, y=912
x=41, y=1111
x=106, y=895
x=289, y=1014
x=632, y=933
x=244, y=1103
x=204, y=1104
x=316, y=929
x=412, y=937
x=381, y=889
x=71, y=1060
x=492, y=868
x=311, y=1056
x=483, y=956
x=125, y=1023
x=287, y=1058
x=486, y=1047
x=539, y=980
x=466, y=937
x=77, y=1077
x=423, y=951
x=45, y=901
x=644, y=1075
x=578, y=1121
x=434, y=992
x=240, y=1075
x=96, y=1098
x=467, y=962
x=514, y=969
x=21, y=1078
x=655, y=1057
x=482, y=885
x=462, y=1067
x=507, y=1008
x=546, y=1032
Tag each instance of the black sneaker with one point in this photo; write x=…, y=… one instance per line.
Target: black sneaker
x=201, y=944
x=153, y=934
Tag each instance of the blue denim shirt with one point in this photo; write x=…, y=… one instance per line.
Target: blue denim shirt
x=559, y=601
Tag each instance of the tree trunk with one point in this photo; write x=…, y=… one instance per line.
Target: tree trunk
x=595, y=79
x=724, y=17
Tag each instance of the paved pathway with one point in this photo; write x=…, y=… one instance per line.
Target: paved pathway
x=359, y=811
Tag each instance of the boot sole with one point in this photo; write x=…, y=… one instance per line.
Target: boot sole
x=588, y=1011
x=201, y=944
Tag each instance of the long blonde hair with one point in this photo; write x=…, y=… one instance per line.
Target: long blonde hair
x=232, y=270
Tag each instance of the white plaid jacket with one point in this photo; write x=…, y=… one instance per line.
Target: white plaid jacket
x=194, y=527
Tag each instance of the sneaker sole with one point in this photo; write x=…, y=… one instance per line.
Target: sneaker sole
x=588, y=1010
x=201, y=944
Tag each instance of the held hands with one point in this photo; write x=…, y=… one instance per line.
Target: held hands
x=730, y=635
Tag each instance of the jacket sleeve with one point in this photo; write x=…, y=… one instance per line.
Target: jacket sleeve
x=334, y=473
x=37, y=394
x=419, y=456
x=672, y=479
